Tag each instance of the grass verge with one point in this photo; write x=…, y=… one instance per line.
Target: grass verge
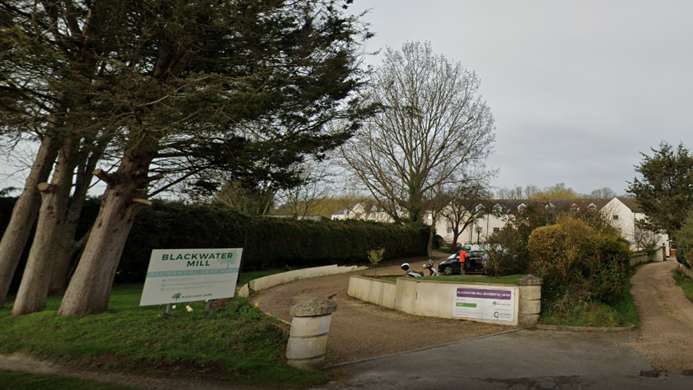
x=686, y=284
x=235, y=342
x=569, y=312
x=510, y=279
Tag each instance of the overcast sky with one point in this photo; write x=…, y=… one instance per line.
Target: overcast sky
x=577, y=88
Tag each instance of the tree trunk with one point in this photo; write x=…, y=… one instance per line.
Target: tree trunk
x=63, y=259
x=429, y=249
x=33, y=290
x=69, y=244
x=455, y=238
x=23, y=215
x=90, y=286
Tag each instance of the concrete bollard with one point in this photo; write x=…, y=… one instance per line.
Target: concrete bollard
x=308, y=335
x=530, y=301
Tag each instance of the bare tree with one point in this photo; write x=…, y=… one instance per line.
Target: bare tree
x=514, y=193
x=252, y=201
x=531, y=191
x=433, y=127
x=465, y=207
x=603, y=193
x=304, y=199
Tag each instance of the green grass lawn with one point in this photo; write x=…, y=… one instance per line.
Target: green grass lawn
x=235, y=343
x=510, y=279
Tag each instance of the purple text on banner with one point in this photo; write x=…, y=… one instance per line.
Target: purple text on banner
x=482, y=293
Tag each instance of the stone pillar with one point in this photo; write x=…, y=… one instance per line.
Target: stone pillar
x=308, y=335
x=530, y=301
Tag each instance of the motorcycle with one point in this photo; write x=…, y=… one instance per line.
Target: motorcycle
x=416, y=274
x=431, y=268
x=411, y=273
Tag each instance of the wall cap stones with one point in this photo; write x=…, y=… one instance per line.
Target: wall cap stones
x=530, y=280
x=313, y=307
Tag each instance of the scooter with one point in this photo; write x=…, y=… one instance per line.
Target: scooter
x=413, y=274
x=431, y=268
x=416, y=274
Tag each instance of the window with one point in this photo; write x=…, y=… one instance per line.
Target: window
x=497, y=209
x=615, y=217
x=449, y=230
x=496, y=229
x=521, y=207
x=574, y=208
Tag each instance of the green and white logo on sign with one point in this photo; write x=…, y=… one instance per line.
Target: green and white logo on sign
x=185, y=275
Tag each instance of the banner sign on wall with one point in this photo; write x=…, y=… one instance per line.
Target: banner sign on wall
x=185, y=275
x=492, y=303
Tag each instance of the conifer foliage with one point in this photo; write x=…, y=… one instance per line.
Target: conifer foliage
x=176, y=90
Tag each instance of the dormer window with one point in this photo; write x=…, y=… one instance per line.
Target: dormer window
x=521, y=207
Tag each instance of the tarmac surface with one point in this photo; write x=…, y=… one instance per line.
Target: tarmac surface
x=515, y=360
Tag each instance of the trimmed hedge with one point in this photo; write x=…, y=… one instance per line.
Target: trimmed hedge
x=267, y=242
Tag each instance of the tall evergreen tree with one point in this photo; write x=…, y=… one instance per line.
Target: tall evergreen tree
x=246, y=86
x=664, y=188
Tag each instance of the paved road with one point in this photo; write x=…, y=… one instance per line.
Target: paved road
x=550, y=359
x=516, y=360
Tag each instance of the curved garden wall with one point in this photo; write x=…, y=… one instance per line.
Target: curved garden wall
x=502, y=304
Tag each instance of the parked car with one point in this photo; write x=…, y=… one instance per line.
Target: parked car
x=452, y=265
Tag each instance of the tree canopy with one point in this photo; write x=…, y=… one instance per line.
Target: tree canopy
x=664, y=187
x=205, y=91
x=433, y=129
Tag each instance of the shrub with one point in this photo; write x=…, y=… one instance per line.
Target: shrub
x=375, y=256
x=556, y=252
x=578, y=261
x=684, y=241
x=606, y=268
x=502, y=253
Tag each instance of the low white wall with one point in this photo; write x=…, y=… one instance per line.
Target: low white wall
x=423, y=297
x=379, y=292
x=640, y=258
x=286, y=277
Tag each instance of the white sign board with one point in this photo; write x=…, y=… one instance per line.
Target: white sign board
x=486, y=303
x=185, y=275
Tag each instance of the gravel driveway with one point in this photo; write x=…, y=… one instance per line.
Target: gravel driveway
x=361, y=330
x=666, y=318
